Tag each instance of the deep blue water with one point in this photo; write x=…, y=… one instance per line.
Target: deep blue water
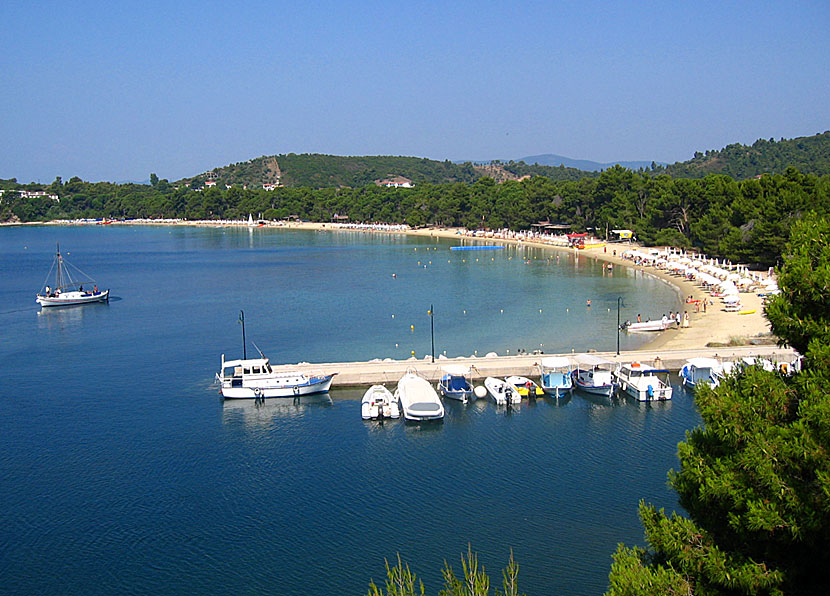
x=122, y=470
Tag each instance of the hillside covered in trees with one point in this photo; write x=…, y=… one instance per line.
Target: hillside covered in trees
x=747, y=220
x=811, y=155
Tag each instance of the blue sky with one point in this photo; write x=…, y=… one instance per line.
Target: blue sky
x=116, y=90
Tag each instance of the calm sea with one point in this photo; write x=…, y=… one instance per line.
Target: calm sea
x=123, y=471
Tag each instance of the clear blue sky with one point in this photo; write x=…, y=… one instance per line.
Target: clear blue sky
x=115, y=90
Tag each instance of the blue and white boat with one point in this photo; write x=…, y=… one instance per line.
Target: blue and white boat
x=455, y=382
x=698, y=371
x=594, y=375
x=555, y=375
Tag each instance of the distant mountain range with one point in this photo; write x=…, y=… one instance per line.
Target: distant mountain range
x=550, y=159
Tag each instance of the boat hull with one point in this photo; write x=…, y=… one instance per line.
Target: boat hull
x=275, y=389
x=73, y=298
x=419, y=401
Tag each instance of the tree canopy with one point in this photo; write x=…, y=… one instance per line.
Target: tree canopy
x=755, y=479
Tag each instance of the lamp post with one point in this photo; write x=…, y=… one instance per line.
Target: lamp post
x=242, y=320
x=431, y=314
x=619, y=301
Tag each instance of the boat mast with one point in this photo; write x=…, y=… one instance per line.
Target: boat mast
x=59, y=272
x=242, y=320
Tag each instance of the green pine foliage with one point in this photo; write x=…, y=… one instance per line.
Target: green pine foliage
x=755, y=478
x=810, y=155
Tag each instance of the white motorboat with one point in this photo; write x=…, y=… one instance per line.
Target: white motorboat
x=525, y=386
x=658, y=325
x=69, y=286
x=455, y=382
x=594, y=375
x=419, y=400
x=378, y=403
x=254, y=378
x=502, y=392
x=555, y=375
x=701, y=371
x=642, y=382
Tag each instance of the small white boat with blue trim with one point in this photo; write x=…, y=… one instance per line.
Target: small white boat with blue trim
x=642, y=382
x=701, y=371
x=555, y=375
x=455, y=382
x=594, y=375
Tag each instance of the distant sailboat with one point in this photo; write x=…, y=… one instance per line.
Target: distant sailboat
x=250, y=220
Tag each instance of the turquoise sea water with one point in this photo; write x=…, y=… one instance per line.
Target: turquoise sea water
x=123, y=471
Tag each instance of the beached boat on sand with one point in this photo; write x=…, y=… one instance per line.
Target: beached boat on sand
x=658, y=325
x=378, y=403
x=69, y=288
x=642, y=382
x=502, y=392
x=418, y=399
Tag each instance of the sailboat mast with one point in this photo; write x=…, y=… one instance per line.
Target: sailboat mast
x=59, y=272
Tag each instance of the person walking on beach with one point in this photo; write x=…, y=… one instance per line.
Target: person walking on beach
x=685, y=318
x=704, y=305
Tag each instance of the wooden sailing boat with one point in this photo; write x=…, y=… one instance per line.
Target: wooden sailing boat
x=69, y=287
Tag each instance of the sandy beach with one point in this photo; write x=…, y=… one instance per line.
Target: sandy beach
x=715, y=326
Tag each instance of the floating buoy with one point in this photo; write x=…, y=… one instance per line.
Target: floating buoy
x=412, y=352
x=465, y=311
x=412, y=327
x=396, y=345
x=394, y=275
x=540, y=310
x=393, y=316
x=502, y=310
x=480, y=391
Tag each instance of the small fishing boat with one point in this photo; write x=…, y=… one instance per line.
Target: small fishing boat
x=698, y=371
x=253, y=378
x=69, y=286
x=502, y=392
x=555, y=375
x=594, y=375
x=455, y=382
x=525, y=386
x=378, y=403
x=419, y=400
x=641, y=382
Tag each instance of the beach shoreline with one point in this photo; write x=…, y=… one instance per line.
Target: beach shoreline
x=714, y=326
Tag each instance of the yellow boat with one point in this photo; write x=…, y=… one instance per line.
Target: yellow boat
x=747, y=312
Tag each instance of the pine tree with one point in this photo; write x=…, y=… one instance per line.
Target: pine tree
x=755, y=479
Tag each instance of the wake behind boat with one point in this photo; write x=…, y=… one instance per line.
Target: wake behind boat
x=69, y=286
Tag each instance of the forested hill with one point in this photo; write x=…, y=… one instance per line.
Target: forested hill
x=335, y=171
x=811, y=155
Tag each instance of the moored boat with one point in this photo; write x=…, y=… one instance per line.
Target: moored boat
x=658, y=325
x=642, y=382
x=69, y=286
x=253, y=378
x=418, y=399
x=555, y=375
x=378, y=403
x=502, y=392
x=455, y=382
x=701, y=371
x=594, y=375
x=525, y=386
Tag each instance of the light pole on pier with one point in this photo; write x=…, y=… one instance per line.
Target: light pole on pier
x=619, y=301
x=431, y=313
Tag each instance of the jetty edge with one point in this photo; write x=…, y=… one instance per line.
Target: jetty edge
x=351, y=374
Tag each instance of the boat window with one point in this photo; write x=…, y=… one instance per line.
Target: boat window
x=256, y=370
x=246, y=371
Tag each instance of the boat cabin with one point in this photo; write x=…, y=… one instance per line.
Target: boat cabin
x=237, y=370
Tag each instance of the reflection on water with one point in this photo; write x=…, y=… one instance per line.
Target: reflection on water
x=258, y=414
x=67, y=318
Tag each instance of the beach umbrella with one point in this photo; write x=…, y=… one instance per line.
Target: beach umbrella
x=731, y=299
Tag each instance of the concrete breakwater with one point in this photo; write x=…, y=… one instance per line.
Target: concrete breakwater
x=389, y=371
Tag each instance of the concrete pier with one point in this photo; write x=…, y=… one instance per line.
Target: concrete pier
x=388, y=372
